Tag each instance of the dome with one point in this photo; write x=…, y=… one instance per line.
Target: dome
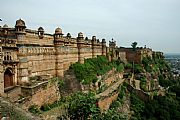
x=80, y=34
x=40, y=29
x=93, y=37
x=69, y=35
x=58, y=31
x=20, y=23
x=5, y=26
x=103, y=41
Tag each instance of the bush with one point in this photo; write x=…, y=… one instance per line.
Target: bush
x=45, y=107
x=143, y=86
x=138, y=68
x=87, y=73
x=34, y=109
x=137, y=105
x=128, y=66
x=82, y=106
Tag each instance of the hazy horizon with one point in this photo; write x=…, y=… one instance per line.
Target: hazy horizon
x=154, y=23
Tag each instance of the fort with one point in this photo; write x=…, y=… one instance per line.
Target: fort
x=26, y=54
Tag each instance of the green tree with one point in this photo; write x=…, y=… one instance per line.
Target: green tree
x=134, y=45
x=83, y=106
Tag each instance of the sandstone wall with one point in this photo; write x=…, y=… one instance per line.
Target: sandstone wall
x=133, y=56
x=33, y=38
x=36, y=61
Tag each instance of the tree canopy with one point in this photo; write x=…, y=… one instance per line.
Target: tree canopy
x=134, y=45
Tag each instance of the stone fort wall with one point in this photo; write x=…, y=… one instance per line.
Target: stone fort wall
x=27, y=53
x=43, y=57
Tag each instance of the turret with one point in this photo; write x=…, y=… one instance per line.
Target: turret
x=103, y=47
x=80, y=42
x=112, y=44
x=40, y=32
x=58, y=37
x=93, y=45
x=20, y=30
x=5, y=30
x=68, y=35
x=20, y=27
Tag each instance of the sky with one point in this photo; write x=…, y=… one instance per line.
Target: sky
x=154, y=23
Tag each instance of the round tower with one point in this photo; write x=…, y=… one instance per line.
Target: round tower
x=68, y=35
x=5, y=30
x=103, y=47
x=93, y=46
x=112, y=44
x=20, y=30
x=80, y=42
x=58, y=37
x=40, y=32
x=20, y=27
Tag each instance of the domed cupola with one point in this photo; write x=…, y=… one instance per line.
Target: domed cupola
x=58, y=33
x=20, y=26
x=5, y=29
x=68, y=35
x=40, y=32
x=58, y=37
x=80, y=35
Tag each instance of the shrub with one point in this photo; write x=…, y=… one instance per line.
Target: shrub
x=138, y=68
x=34, y=109
x=87, y=73
x=128, y=66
